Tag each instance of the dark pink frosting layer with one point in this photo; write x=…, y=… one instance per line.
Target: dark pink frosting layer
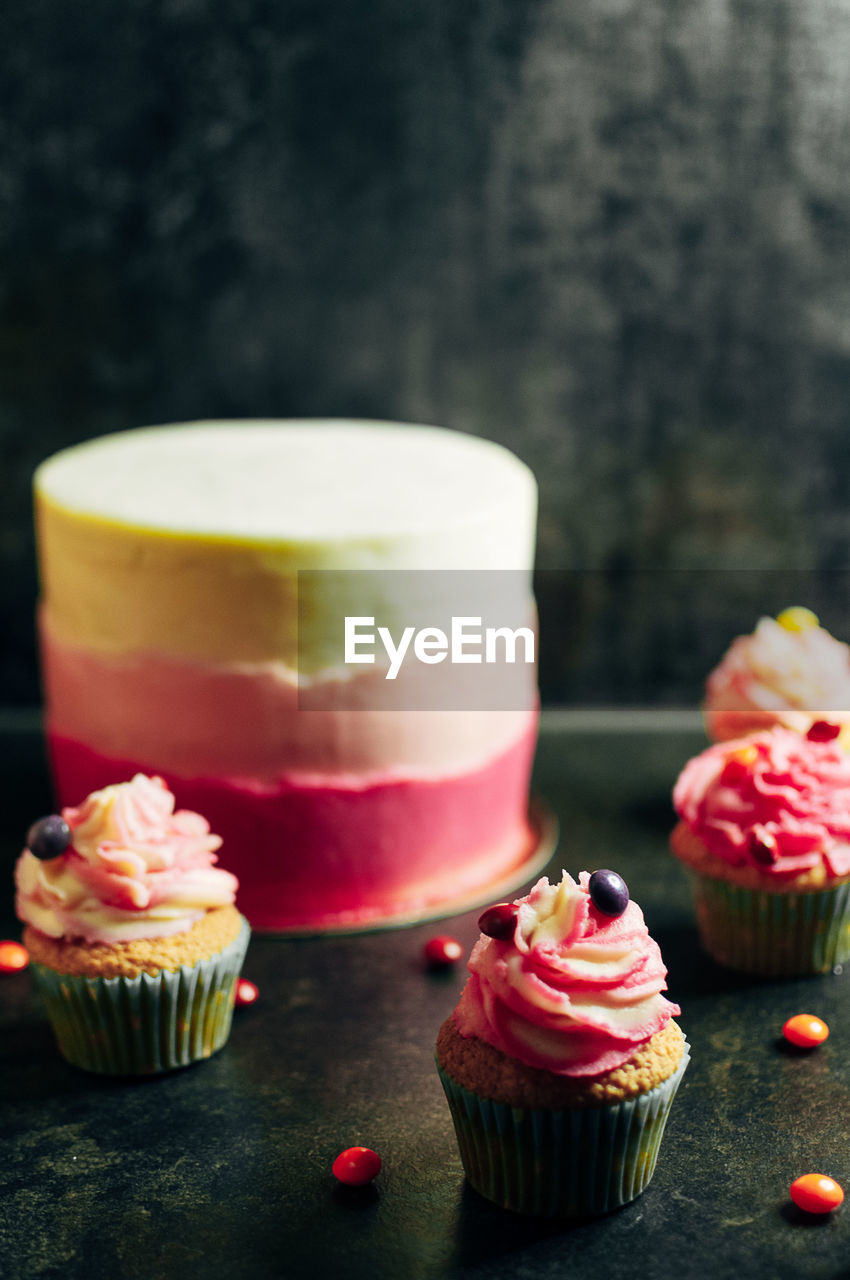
x=776, y=801
x=317, y=853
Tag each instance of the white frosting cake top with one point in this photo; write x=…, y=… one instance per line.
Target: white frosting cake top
x=193, y=539
x=293, y=480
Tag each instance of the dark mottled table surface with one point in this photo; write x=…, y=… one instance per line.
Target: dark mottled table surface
x=223, y=1170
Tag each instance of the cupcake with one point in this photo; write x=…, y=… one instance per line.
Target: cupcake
x=134, y=938
x=764, y=832
x=789, y=672
x=562, y=1059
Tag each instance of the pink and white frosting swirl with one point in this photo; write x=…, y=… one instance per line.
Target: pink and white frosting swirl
x=776, y=790
x=778, y=676
x=135, y=868
x=573, y=991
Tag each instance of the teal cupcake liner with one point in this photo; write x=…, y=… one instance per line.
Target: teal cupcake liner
x=772, y=933
x=574, y=1163
x=146, y=1024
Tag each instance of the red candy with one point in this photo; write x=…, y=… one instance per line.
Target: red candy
x=734, y=771
x=816, y=1193
x=247, y=992
x=443, y=950
x=13, y=957
x=738, y=763
x=764, y=846
x=805, y=1030
x=499, y=921
x=356, y=1166
x=823, y=731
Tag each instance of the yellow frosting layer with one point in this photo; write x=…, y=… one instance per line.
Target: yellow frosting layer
x=189, y=539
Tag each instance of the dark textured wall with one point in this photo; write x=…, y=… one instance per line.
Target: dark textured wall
x=612, y=234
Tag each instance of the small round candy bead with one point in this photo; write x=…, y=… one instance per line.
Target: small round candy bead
x=816, y=1193
x=13, y=957
x=738, y=764
x=823, y=731
x=442, y=950
x=748, y=754
x=797, y=618
x=764, y=847
x=608, y=892
x=48, y=837
x=356, y=1166
x=247, y=992
x=499, y=921
x=805, y=1030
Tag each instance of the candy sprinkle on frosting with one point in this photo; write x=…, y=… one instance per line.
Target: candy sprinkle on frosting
x=499, y=921
x=823, y=731
x=608, y=892
x=797, y=618
x=48, y=837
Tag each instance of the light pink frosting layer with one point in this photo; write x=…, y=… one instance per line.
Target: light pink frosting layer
x=778, y=785
x=242, y=720
x=135, y=868
x=573, y=991
x=777, y=676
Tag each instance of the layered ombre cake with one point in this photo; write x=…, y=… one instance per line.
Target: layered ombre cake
x=195, y=579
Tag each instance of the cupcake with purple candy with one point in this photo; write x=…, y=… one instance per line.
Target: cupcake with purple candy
x=135, y=941
x=562, y=1059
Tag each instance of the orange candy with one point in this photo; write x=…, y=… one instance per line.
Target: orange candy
x=805, y=1030
x=13, y=957
x=748, y=754
x=816, y=1193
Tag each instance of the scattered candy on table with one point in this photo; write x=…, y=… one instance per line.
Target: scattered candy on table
x=805, y=1030
x=816, y=1193
x=247, y=992
x=608, y=892
x=13, y=957
x=443, y=950
x=48, y=837
x=499, y=921
x=356, y=1166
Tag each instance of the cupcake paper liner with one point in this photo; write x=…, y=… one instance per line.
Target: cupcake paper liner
x=776, y=934
x=146, y=1024
x=574, y=1163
